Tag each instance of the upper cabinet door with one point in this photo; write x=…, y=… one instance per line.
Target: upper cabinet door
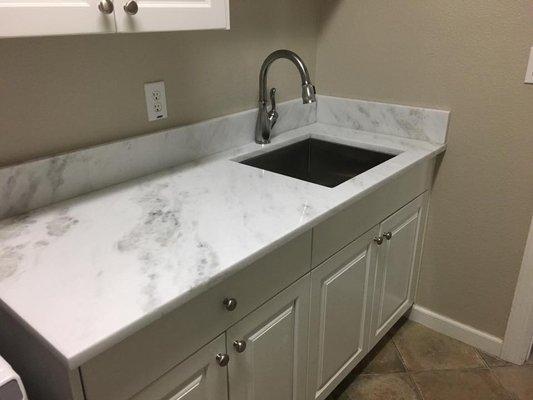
x=171, y=15
x=54, y=17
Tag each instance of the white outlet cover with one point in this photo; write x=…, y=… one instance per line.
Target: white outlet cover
x=529, y=73
x=156, y=100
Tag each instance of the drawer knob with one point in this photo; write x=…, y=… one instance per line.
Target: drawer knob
x=230, y=304
x=131, y=7
x=222, y=359
x=388, y=235
x=239, y=345
x=379, y=240
x=106, y=6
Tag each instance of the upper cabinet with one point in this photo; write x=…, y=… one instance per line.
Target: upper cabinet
x=54, y=17
x=171, y=15
x=66, y=17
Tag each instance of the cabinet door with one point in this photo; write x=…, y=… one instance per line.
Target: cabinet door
x=397, y=266
x=53, y=17
x=274, y=363
x=172, y=15
x=340, y=314
x=199, y=377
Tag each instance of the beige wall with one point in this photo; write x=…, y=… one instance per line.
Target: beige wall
x=469, y=57
x=62, y=93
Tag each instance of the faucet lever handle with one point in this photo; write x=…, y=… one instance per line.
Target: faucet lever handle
x=273, y=113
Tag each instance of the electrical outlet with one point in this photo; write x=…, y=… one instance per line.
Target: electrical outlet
x=156, y=101
x=529, y=73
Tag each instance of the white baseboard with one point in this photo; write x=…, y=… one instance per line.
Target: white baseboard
x=481, y=340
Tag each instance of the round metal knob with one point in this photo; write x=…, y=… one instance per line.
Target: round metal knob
x=239, y=345
x=379, y=240
x=230, y=304
x=388, y=235
x=222, y=359
x=131, y=7
x=106, y=6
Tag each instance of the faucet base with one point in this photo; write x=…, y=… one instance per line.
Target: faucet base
x=263, y=141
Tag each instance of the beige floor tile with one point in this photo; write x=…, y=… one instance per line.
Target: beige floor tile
x=473, y=384
x=423, y=349
x=493, y=361
x=384, y=358
x=517, y=380
x=382, y=387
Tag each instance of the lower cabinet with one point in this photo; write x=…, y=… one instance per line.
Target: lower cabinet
x=359, y=293
x=396, y=272
x=199, y=377
x=341, y=292
x=302, y=342
x=268, y=349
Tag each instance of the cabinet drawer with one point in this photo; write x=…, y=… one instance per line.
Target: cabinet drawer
x=333, y=234
x=128, y=367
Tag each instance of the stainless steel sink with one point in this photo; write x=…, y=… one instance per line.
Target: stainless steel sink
x=317, y=161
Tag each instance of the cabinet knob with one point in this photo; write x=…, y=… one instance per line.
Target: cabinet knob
x=239, y=345
x=388, y=235
x=230, y=304
x=379, y=240
x=106, y=6
x=131, y=7
x=222, y=359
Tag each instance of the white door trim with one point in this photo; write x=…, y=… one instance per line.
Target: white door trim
x=517, y=340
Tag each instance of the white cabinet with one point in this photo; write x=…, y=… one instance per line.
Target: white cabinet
x=173, y=15
x=397, y=266
x=53, y=17
x=268, y=348
x=64, y=17
x=199, y=377
x=340, y=314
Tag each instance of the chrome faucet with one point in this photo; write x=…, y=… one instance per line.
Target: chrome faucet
x=267, y=119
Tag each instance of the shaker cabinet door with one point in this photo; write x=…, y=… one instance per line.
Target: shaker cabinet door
x=55, y=17
x=397, y=266
x=171, y=15
x=268, y=348
x=199, y=377
x=341, y=294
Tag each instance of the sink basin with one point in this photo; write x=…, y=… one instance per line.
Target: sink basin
x=317, y=161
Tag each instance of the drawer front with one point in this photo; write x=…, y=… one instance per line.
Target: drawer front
x=333, y=234
x=128, y=367
x=199, y=377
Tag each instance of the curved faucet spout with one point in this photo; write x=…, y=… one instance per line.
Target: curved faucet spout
x=266, y=119
x=276, y=55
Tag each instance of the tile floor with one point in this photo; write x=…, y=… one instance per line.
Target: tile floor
x=416, y=363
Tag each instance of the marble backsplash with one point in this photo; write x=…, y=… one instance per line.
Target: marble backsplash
x=41, y=182
x=389, y=119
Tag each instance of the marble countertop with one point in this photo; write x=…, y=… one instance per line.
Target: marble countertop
x=88, y=272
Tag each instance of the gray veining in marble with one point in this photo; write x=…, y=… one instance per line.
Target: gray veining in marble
x=41, y=182
x=87, y=272
x=389, y=119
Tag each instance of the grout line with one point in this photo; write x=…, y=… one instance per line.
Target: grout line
x=512, y=395
x=415, y=386
x=478, y=352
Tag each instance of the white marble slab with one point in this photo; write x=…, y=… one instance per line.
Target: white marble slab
x=86, y=273
x=390, y=119
x=42, y=182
